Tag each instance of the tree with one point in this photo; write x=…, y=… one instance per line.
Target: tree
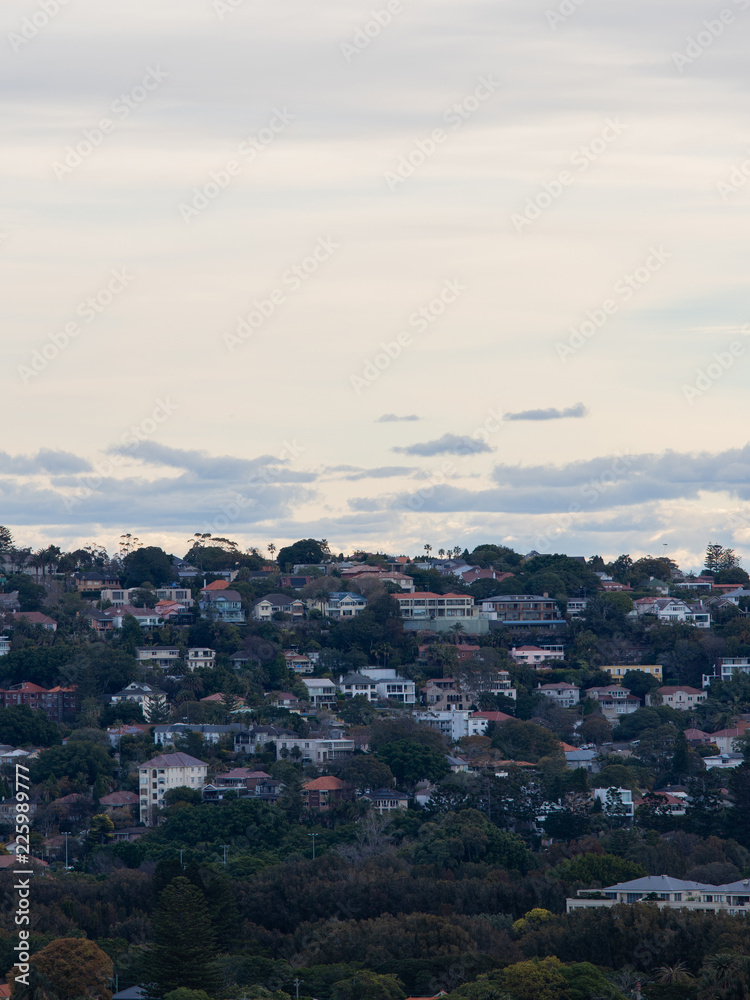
x=366, y=985
x=718, y=558
x=606, y=869
x=73, y=967
x=536, y=980
x=6, y=539
x=307, y=551
x=366, y=771
x=520, y=740
x=410, y=762
x=79, y=757
x=156, y=710
x=149, y=564
x=183, y=954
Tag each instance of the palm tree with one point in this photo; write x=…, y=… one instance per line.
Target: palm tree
x=456, y=631
x=441, y=553
x=672, y=975
x=271, y=549
x=428, y=549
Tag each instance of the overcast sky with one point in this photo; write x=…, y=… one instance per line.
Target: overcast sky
x=429, y=271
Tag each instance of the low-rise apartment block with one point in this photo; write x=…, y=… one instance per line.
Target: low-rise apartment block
x=158, y=775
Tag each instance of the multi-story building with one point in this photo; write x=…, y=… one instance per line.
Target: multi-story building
x=618, y=672
x=158, y=775
x=324, y=793
x=426, y=605
x=448, y=693
x=455, y=725
x=672, y=609
x=118, y=596
x=564, y=695
x=524, y=610
x=164, y=735
x=157, y=656
x=222, y=605
x=679, y=696
x=616, y=800
x=142, y=694
x=200, y=657
x=390, y=686
x=536, y=656
x=726, y=668
x=321, y=693
x=358, y=686
x=614, y=700
x=340, y=604
x=298, y=663
x=60, y=703
x=4, y=645
x=666, y=892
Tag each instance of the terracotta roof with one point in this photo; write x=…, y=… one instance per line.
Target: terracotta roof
x=119, y=799
x=216, y=585
x=492, y=716
x=678, y=687
x=326, y=783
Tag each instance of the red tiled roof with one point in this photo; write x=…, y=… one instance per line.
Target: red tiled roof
x=119, y=799
x=326, y=783
x=216, y=585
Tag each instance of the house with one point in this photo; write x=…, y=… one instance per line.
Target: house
x=356, y=685
x=321, y=693
x=533, y=656
x=457, y=764
x=164, y=735
x=112, y=618
x=33, y=618
x=296, y=582
x=222, y=605
x=581, y=758
x=726, y=739
x=158, y=775
x=391, y=687
x=121, y=595
x=10, y=602
x=456, y=725
x=88, y=582
x=254, y=740
x=199, y=658
x=615, y=800
x=728, y=667
x=272, y=604
x=120, y=805
x=681, y=697
x=524, y=610
x=284, y=699
x=664, y=891
x=387, y=800
x=8, y=809
x=724, y=760
x=447, y=693
x=695, y=583
x=401, y=580
x=672, y=609
x=340, y=604
x=116, y=733
x=60, y=703
x=298, y=663
x=324, y=794
x=614, y=700
x=157, y=656
x=618, y=672
x=428, y=606
x=142, y=694
x=4, y=645
x=576, y=607
x=564, y=695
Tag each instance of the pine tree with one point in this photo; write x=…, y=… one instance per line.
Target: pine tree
x=184, y=948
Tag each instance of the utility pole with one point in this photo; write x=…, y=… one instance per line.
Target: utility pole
x=66, y=834
x=313, y=835
x=226, y=848
x=297, y=984
x=181, y=864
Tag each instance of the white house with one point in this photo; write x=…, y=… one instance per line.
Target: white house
x=142, y=694
x=454, y=725
x=4, y=645
x=321, y=693
x=614, y=700
x=158, y=656
x=356, y=685
x=534, y=656
x=340, y=604
x=616, y=800
x=199, y=657
x=681, y=697
x=271, y=604
x=169, y=770
x=564, y=695
x=390, y=686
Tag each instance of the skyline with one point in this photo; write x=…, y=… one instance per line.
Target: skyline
x=317, y=261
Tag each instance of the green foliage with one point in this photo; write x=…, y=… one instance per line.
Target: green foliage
x=78, y=757
x=366, y=985
x=149, y=564
x=30, y=594
x=366, y=771
x=538, y=979
x=410, y=761
x=469, y=837
x=604, y=869
x=72, y=968
x=21, y=726
x=184, y=941
x=307, y=551
x=519, y=740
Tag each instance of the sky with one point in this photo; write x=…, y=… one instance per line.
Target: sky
x=390, y=274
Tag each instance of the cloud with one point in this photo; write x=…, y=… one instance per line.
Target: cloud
x=579, y=410
x=45, y=460
x=392, y=418
x=448, y=444
x=211, y=468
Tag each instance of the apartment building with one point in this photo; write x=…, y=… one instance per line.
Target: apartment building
x=60, y=703
x=524, y=610
x=681, y=697
x=158, y=775
x=427, y=605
